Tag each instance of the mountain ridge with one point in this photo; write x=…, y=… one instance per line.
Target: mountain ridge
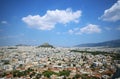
x=111, y=43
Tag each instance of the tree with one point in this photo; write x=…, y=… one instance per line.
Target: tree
x=59, y=64
x=19, y=74
x=32, y=74
x=29, y=69
x=64, y=77
x=45, y=66
x=48, y=73
x=64, y=73
x=74, y=65
x=3, y=74
x=84, y=76
x=38, y=76
x=6, y=62
x=77, y=76
x=20, y=65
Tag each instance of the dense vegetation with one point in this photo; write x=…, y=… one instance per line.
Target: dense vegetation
x=48, y=73
x=31, y=73
x=46, y=45
x=92, y=52
x=115, y=56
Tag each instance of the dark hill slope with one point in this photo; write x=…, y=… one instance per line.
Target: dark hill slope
x=112, y=43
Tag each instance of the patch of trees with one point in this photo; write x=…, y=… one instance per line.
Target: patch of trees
x=92, y=52
x=46, y=45
x=115, y=56
x=48, y=73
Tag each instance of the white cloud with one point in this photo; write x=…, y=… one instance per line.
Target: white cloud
x=70, y=31
x=113, y=13
x=89, y=29
x=3, y=22
x=51, y=18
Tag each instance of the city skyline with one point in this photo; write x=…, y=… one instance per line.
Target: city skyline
x=61, y=23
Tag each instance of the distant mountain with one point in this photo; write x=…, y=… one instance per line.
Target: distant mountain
x=112, y=43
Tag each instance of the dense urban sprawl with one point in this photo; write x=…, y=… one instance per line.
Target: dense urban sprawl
x=31, y=62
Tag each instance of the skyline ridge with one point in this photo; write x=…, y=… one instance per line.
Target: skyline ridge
x=92, y=44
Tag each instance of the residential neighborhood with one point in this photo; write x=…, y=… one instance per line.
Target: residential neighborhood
x=32, y=62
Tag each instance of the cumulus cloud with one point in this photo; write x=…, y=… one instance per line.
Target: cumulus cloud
x=3, y=22
x=51, y=18
x=70, y=31
x=89, y=29
x=113, y=13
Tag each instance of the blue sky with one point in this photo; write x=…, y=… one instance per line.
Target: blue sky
x=58, y=22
